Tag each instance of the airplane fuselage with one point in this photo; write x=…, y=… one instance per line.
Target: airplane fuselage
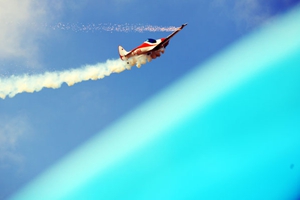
x=147, y=46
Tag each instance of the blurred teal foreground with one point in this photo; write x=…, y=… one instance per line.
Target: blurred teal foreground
x=230, y=129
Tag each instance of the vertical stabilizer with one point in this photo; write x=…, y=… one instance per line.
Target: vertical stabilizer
x=122, y=53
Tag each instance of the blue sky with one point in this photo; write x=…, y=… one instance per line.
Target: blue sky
x=40, y=129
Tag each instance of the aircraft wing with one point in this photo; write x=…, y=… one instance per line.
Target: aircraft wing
x=167, y=39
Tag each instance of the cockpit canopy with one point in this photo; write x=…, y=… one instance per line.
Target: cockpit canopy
x=151, y=40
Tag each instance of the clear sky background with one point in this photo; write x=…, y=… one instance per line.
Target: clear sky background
x=39, y=129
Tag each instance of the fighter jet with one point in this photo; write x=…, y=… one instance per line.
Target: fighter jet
x=150, y=47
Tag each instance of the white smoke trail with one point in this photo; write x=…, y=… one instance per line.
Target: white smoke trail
x=93, y=27
x=113, y=27
x=33, y=83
